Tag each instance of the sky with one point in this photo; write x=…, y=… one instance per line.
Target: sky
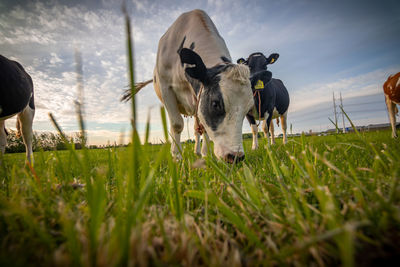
x=325, y=47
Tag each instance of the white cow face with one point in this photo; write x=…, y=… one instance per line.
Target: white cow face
x=225, y=100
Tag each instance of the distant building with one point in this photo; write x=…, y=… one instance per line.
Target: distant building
x=370, y=127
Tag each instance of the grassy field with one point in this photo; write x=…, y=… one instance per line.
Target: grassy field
x=331, y=200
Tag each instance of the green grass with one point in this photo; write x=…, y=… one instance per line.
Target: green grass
x=325, y=200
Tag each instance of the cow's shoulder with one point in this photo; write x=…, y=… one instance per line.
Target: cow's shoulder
x=392, y=83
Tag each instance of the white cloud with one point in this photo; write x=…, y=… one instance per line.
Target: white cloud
x=55, y=59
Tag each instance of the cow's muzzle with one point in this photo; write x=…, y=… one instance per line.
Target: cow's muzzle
x=234, y=157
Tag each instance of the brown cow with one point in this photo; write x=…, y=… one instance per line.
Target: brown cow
x=391, y=88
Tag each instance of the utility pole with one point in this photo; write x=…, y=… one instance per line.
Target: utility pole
x=334, y=111
x=341, y=106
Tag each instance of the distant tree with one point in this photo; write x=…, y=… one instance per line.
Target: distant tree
x=43, y=140
x=250, y=135
x=14, y=143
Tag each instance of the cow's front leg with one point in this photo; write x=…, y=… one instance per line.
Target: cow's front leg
x=271, y=131
x=26, y=120
x=284, y=126
x=392, y=115
x=176, y=122
x=196, y=139
x=266, y=127
x=176, y=129
x=197, y=143
x=254, y=130
x=204, y=146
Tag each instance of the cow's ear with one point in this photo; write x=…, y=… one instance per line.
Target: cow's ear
x=199, y=70
x=241, y=61
x=272, y=58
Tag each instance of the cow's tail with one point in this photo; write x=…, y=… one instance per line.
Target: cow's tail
x=277, y=121
x=127, y=95
x=18, y=126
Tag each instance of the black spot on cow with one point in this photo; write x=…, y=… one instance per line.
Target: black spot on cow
x=191, y=46
x=212, y=104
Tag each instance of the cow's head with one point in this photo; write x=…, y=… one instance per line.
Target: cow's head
x=224, y=101
x=258, y=63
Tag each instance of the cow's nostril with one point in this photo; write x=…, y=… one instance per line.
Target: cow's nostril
x=231, y=157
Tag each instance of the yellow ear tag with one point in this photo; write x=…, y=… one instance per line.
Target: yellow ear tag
x=259, y=85
x=272, y=60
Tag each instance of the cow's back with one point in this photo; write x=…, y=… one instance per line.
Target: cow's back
x=193, y=30
x=391, y=88
x=16, y=87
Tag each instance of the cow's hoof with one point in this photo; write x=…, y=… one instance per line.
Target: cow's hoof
x=199, y=164
x=177, y=157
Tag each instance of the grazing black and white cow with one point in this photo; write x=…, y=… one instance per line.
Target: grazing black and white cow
x=194, y=76
x=16, y=98
x=271, y=98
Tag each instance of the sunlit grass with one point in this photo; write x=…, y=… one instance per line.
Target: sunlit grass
x=327, y=200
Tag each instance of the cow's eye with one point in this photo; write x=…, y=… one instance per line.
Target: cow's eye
x=215, y=104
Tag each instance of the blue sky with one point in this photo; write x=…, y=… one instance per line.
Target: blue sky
x=325, y=46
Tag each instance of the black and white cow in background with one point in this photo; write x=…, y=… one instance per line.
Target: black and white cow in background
x=194, y=76
x=272, y=93
x=16, y=98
